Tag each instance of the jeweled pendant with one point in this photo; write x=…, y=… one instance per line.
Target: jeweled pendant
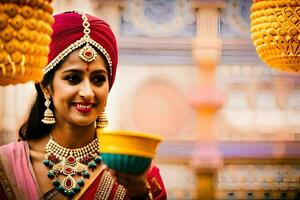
x=58, y=168
x=69, y=193
x=77, y=189
x=60, y=188
x=98, y=159
x=46, y=162
x=50, y=174
x=87, y=53
x=79, y=167
x=71, y=160
x=68, y=183
x=86, y=174
x=68, y=170
x=80, y=182
x=56, y=183
x=92, y=164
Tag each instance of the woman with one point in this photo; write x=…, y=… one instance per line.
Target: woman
x=58, y=156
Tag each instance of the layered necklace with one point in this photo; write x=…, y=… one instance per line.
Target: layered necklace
x=68, y=163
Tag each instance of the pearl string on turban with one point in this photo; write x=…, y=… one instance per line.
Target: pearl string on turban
x=74, y=30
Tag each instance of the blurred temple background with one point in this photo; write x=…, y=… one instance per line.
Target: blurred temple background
x=188, y=70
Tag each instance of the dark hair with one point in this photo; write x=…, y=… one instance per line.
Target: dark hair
x=34, y=127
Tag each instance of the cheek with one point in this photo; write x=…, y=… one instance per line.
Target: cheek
x=63, y=95
x=102, y=96
x=103, y=99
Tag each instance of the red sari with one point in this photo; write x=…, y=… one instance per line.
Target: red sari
x=18, y=181
x=105, y=188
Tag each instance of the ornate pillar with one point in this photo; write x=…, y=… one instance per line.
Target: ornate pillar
x=7, y=113
x=15, y=100
x=110, y=11
x=205, y=97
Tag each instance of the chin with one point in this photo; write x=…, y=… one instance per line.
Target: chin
x=83, y=124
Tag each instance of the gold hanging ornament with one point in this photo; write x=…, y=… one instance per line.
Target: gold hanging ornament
x=102, y=121
x=25, y=35
x=275, y=28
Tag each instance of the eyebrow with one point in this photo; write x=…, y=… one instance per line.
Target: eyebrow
x=79, y=71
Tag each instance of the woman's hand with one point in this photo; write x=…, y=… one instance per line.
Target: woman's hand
x=136, y=185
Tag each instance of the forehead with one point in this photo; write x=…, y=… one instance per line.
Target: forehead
x=74, y=61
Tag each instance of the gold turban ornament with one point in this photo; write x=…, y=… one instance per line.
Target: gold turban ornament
x=275, y=28
x=25, y=35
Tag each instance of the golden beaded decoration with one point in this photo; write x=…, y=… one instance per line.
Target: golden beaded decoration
x=25, y=30
x=275, y=33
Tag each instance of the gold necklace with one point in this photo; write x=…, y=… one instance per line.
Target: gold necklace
x=69, y=163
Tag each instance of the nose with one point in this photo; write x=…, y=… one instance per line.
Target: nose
x=86, y=90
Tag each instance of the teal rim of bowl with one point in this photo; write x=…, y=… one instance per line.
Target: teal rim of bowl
x=126, y=163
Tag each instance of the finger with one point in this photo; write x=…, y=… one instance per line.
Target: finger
x=122, y=181
x=105, y=166
x=112, y=172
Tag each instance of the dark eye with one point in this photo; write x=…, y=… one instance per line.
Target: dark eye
x=73, y=79
x=98, y=80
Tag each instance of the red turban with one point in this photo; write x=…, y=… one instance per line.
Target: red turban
x=68, y=30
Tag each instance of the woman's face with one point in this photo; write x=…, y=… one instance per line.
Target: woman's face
x=79, y=90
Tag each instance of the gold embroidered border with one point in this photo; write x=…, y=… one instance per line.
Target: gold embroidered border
x=120, y=194
x=104, y=188
x=5, y=184
x=75, y=46
x=89, y=181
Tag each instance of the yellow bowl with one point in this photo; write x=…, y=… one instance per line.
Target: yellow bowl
x=128, y=142
x=127, y=151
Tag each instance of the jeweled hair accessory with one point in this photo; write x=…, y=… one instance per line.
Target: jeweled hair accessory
x=87, y=53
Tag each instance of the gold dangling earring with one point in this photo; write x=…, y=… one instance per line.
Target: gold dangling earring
x=48, y=114
x=102, y=120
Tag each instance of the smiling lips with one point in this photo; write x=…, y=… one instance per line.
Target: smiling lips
x=84, y=107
